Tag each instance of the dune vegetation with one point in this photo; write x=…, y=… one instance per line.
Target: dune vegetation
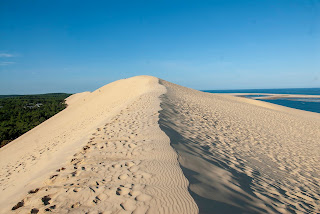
x=20, y=113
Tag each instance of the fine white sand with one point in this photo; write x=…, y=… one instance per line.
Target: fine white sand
x=105, y=153
x=109, y=152
x=242, y=155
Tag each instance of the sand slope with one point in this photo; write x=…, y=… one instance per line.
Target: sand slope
x=242, y=155
x=105, y=153
x=109, y=152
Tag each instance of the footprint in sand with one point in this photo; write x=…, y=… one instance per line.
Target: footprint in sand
x=84, y=177
x=129, y=205
x=143, y=197
x=123, y=191
x=123, y=177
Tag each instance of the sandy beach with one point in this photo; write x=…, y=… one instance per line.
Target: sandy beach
x=145, y=145
x=266, y=96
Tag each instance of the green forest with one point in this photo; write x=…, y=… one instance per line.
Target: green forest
x=20, y=113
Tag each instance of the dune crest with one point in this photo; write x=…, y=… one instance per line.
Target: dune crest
x=105, y=153
x=145, y=145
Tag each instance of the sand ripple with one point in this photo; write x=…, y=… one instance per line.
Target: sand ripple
x=243, y=157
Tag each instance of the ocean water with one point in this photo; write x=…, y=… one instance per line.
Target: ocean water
x=306, y=104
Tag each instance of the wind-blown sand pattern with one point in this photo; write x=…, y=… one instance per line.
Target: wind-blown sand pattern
x=242, y=155
x=109, y=152
x=126, y=165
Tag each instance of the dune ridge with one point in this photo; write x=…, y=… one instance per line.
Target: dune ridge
x=145, y=145
x=104, y=154
x=242, y=155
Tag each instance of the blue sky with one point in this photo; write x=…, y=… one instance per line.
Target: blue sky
x=74, y=46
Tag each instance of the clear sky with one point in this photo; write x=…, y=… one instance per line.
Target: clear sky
x=74, y=46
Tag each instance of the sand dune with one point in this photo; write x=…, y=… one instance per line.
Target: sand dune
x=242, y=155
x=109, y=152
x=104, y=154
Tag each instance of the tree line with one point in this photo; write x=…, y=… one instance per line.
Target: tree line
x=20, y=113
